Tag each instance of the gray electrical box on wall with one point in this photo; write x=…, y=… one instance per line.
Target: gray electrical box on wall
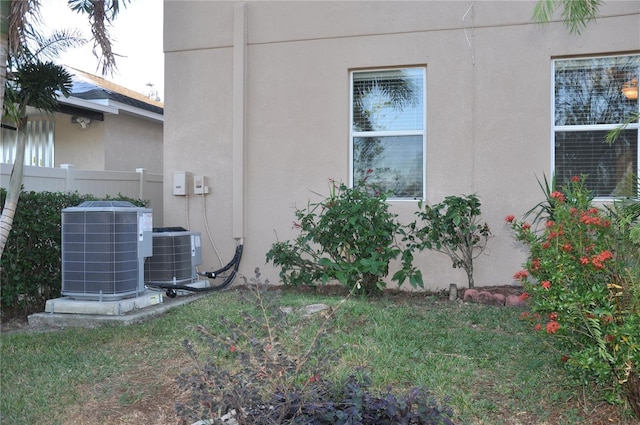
x=181, y=183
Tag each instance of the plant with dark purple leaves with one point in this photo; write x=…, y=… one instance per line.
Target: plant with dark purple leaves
x=254, y=374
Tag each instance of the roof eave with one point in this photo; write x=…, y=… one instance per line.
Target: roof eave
x=100, y=105
x=109, y=106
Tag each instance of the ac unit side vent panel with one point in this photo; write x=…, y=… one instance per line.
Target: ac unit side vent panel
x=175, y=257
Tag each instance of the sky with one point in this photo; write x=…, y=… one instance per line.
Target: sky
x=136, y=35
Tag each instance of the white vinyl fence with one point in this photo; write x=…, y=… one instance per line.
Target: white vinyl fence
x=138, y=184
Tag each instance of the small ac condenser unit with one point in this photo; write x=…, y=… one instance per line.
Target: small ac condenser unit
x=104, y=244
x=176, y=254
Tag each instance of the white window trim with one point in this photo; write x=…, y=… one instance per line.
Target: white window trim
x=423, y=132
x=574, y=128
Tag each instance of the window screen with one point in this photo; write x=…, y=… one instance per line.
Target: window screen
x=593, y=96
x=388, y=130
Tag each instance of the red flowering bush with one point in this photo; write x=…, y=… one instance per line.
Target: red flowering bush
x=582, y=281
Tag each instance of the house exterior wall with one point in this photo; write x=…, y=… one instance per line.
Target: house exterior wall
x=488, y=90
x=132, y=142
x=121, y=142
x=82, y=147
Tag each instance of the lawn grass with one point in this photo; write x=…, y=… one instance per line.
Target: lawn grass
x=489, y=365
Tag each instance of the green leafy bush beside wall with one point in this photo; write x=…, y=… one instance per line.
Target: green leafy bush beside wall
x=30, y=270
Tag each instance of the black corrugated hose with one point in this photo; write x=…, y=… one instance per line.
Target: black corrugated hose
x=234, y=264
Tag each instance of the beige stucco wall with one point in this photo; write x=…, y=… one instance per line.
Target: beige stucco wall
x=121, y=142
x=488, y=110
x=82, y=147
x=133, y=142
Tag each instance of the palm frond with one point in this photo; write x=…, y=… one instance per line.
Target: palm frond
x=614, y=134
x=51, y=46
x=543, y=11
x=101, y=15
x=576, y=14
x=35, y=83
x=21, y=16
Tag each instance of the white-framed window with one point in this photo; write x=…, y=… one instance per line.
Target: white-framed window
x=591, y=97
x=388, y=130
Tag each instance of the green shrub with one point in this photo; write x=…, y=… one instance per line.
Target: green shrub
x=453, y=227
x=582, y=280
x=350, y=236
x=31, y=262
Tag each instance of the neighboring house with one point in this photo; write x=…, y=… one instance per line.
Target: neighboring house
x=101, y=126
x=270, y=100
x=109, y=137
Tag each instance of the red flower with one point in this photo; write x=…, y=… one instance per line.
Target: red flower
x=535, y=264
x=564, y=358
x=510, y=218
x=524, y=315
x=584, y=261
x=558, y=195
x=522, y=274
x=605, y=255
x=567, y=247
x=523, y=296
x=575, y=179
x=526, y=226
x=233, y=348
x=587, y=219
x=537, y=327
x=545, y=245
x=552, y=327
x=554, y=234
x=550, y=223
x=599, y=259
x=553, y=316
x=609, y=338
x=546, y=284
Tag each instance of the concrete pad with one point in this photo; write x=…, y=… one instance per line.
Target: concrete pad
x=88, y=320
x=103, y=308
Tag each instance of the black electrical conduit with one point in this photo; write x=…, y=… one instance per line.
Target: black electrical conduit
x=234, y=264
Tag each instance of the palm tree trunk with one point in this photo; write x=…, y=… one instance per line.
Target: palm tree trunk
x=4, y=50
x=3, y=66
x=4, y=47
x=632, y=391
x=13, y=194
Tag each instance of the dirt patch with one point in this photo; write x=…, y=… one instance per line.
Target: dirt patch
x=144, y=396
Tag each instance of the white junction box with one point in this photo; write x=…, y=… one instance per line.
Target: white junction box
x=181, y=180
x=200, y=185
